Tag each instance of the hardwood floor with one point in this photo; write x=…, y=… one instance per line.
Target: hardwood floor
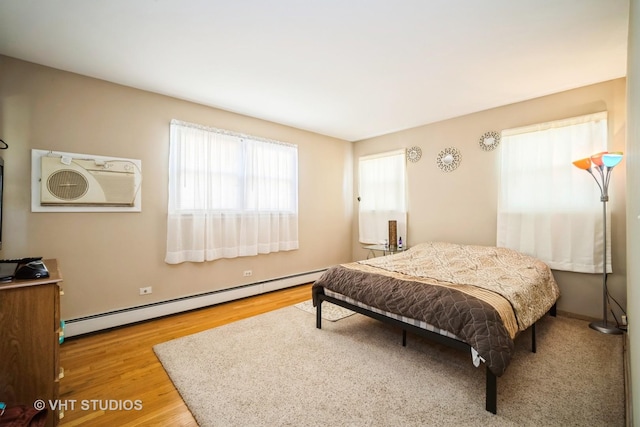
x=106, y=373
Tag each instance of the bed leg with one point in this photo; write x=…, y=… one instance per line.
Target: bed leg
x=404, y=337
x=319, y=314
x=491, y=397
x=533, y=338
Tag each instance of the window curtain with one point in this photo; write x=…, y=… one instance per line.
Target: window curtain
x=382, y=196
x=547, y=207
x=230, y=195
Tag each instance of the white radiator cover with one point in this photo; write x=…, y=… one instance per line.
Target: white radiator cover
x=97, y=322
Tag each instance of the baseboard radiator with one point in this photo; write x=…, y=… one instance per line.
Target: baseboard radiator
x=98, y=322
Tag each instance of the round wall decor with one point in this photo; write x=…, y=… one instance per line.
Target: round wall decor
x=489, y=141
x=414, y=154
x=448, y=159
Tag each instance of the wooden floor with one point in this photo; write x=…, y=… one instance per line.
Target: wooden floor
x=118, y=367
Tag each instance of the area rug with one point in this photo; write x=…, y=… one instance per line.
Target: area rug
x=277, y=369
x=330, y=311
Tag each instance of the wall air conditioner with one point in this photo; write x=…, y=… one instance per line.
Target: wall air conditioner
x=67, y=181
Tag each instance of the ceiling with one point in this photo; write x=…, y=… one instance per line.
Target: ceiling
x=350, y=69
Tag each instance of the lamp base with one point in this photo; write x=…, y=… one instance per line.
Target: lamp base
x=605, y=328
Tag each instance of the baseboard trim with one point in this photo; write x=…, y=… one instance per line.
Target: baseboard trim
x=111, y=319
x=577, y=316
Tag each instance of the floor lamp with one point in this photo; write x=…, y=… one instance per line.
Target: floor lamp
x=603, y=163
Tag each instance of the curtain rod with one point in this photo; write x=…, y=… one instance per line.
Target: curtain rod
x=229, y=133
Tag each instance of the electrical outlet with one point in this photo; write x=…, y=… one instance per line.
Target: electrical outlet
x=146, y=291
x=248, y=273
x=624, y=320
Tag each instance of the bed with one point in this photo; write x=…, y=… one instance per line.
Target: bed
x=476, y=298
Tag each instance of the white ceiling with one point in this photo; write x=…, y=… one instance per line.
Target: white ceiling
x=351, y=69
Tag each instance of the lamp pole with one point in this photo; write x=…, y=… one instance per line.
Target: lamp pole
x=603, y=326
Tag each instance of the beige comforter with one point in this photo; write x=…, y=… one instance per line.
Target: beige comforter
x=525, y=282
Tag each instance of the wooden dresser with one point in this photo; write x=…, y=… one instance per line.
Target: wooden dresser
x=29, y=341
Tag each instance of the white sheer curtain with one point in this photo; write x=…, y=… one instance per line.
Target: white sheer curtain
x=547, y=207
x=230, y=195
x=382, y=195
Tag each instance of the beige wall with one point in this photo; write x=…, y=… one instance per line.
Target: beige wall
x=461, y=206
x=633, y=207
x=106, y=257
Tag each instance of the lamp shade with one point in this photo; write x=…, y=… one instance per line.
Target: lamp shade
x=583, y=163
x=612, y=159
x=597, y=158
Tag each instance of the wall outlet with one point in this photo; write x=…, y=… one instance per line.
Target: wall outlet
x=247, y=273
x=146, y=291
x=624, y=320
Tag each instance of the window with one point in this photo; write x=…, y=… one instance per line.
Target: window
x=547, y=207
x=230, y=195
x=382, y=195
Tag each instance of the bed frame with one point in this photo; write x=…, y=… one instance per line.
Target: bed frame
x=491, y=386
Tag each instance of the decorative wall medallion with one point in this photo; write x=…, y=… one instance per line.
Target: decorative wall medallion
x=489, y=141
x=414, y=154
x=448, y=159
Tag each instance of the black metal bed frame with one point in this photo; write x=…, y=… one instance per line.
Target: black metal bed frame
x=491, y=392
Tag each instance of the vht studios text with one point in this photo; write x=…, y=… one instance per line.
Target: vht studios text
x=89, y=405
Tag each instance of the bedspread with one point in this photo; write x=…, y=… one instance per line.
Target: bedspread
x=484, y=295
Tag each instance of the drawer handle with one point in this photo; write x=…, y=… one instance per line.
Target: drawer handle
x=61, y=374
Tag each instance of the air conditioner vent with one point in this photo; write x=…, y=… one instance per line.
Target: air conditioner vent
x=87, y=182
x=67, y=184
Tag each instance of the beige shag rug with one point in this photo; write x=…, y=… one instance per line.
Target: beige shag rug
x=330, y=311
x=277, y=369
